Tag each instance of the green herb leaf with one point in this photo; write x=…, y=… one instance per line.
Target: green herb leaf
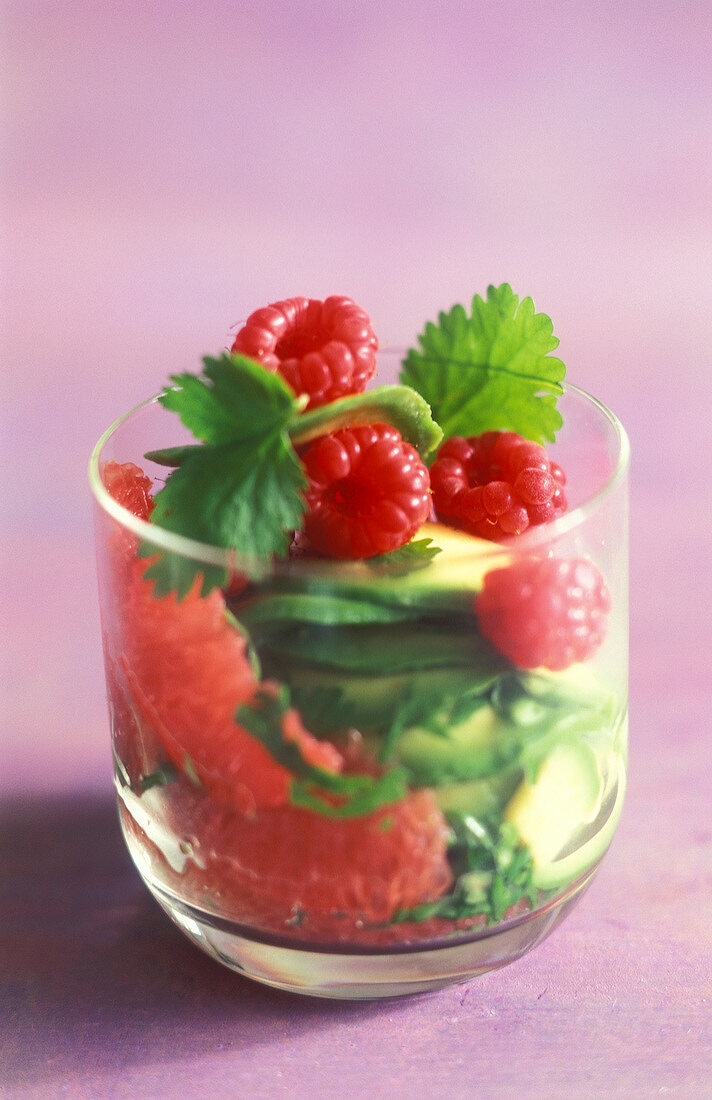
x=245, y=495
x=331, y=700
x=242, y=489
x=175, y=573
x=235, y=398
x=319, y=608
x=413, y=707
x=353, y=795
x=325, y=709
x=371, y=795
x=173, y=456
x=414, y=555
x=397, y=647
x=491, y=369
x=493, y=872
x=160, y=777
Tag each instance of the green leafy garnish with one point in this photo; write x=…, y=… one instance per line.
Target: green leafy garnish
x=413, y=555
x=166, y=773
x=175, y=573
x=325, y=710
x=159, y=777
x=493, y=872
x=547, y=714
x=242, y=489
x=414, y=706
x=319, y=608
x=235, y=399
x=330, y=793
x=491, y=369
x=396, y=647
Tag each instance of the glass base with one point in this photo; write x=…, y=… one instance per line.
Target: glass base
x=367, y=974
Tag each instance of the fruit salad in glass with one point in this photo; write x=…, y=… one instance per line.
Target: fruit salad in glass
x=366, y=644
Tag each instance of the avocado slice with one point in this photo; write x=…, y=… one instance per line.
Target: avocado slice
x=565, y=796
x=371, y=649
x=330, y=701
x=447, y=582
x=484, y=798
x=474, y=747
x=324, y=610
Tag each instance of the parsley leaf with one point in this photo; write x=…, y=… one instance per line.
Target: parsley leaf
x=413, y=555
x=312, y=786
x=238, y=495
x=161, y=776
x=487, y=370
x=493, y=872
x=242, y=489
x=175, y=573
x=241, y=401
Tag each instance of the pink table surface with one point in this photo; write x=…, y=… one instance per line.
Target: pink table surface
x=166, y=169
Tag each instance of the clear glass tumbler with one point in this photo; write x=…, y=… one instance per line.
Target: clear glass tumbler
x=328, y=775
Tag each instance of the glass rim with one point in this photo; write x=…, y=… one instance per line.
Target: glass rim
x=231, y=559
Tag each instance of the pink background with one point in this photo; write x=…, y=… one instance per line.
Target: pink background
x=168, y=167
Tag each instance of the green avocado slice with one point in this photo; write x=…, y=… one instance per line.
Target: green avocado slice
x=447, y=582
x=565, y=797
x=482, y=798
x=371, y=649
x=330, y=701
x=324, y=609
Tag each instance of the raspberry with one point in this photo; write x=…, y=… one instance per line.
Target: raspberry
x=187, y=671
x=323, y=349
x=546, y=612
x=496, y=485
x=368, y=492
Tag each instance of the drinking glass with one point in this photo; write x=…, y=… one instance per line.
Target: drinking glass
x=326, y=775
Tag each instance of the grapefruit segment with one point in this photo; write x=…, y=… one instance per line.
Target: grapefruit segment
x=188, y=671
x=289, y=870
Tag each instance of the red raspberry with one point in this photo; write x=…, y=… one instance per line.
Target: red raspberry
x=496, y=484
x=546, y=612
x=323, y=349
x=368, y=492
